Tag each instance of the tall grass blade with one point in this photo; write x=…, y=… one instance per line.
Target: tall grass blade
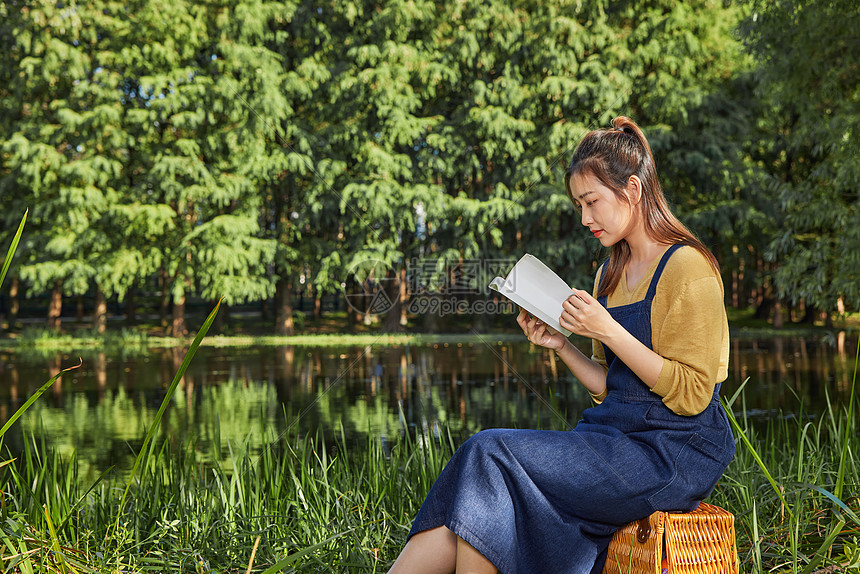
x=82, y=499
x=752, y=450
x=170, y=390
x=13, y=247
x=16, y=558
x=756, y=538
x=741, y=387
x=851, y=514
x=281, y=564
x=825, y=546
x=36, y=396
x=55, y=542
x=843, y=458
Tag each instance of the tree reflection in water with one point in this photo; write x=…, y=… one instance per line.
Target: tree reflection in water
x=254, y=394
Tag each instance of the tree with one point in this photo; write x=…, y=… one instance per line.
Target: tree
x=198, y=87
x=62, y=148
x=387, y=64
x=301, y=205
x=808, y=53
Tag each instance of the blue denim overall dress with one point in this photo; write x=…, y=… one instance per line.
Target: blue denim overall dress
x=548, y=502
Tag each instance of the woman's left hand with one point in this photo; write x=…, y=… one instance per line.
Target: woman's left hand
x=584, y=316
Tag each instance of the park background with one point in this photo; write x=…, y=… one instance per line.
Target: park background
x=346, y=178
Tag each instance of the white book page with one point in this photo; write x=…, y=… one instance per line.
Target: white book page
x=537, y=289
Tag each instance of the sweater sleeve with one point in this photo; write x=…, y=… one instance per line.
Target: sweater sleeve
x=691, y=338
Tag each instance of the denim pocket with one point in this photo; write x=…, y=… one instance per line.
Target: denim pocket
x=711, y=424
x=698, y=467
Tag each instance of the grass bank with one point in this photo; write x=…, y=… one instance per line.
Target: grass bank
x=310, y=504
x=130, y=339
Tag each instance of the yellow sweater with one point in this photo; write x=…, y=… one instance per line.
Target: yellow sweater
x=688, y=329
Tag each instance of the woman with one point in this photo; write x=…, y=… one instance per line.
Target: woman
x=521, y=501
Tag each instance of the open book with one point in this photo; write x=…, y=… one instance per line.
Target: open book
x=537, y=289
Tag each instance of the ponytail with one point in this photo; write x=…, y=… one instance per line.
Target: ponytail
x=612, y=155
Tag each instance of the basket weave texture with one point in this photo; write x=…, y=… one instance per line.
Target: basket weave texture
x=698, y=542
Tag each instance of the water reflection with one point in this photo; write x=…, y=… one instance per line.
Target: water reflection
x=233, y=395
x=786, y=373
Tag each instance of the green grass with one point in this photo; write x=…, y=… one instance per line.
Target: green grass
x=805, y=511
x=782, y=488
x=39, y=343
x=318, y=505
x=36, y=340
x=351, y=509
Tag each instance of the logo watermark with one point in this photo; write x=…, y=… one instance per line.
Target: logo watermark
x=441, y=305
x=370, y=288
x=432, y=286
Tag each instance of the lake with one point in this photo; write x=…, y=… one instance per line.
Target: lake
x=233, y=394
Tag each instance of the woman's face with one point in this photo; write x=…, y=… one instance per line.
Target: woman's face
x=607, y=216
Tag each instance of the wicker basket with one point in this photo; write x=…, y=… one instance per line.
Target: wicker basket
x=698, y=542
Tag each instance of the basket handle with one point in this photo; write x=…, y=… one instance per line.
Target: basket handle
x=644, y=530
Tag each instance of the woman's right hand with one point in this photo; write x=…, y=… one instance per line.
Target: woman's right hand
x=539, y=332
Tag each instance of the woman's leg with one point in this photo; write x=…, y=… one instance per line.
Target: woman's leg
x=470, y=561
x=432, y=551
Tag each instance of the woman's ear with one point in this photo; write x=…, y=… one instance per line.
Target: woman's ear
x=634, y=189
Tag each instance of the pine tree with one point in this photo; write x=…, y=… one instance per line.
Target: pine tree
x=198, y=86
x=381, y=121
x=62, y=148
x=301, y=206
x=808, y=55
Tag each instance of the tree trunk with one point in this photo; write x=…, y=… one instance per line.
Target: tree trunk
x=283, y=308
x=404, y=297
x=737, y=277
x=13, y=304
x=766, y=302
x=79, y=311
x=100, y=312
x=55, y=307
x=352, y=318
x=391, y=323
x=265, y=310
x=130, y=307
x=777, y=315
x=179, y=329
x=810, y=314
x=165, y=298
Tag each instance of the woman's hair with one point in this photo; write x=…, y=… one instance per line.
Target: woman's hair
x=612, y=155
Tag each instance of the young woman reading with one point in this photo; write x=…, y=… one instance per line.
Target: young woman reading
x=527, y=501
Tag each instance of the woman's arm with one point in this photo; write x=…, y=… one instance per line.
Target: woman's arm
x=692, y=335
x=585, y=316
x=591, y=374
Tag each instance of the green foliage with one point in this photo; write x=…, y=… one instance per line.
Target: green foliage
x=228, y=149
x=809, y=84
